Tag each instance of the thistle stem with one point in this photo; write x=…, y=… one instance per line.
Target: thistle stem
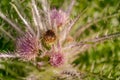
x=70, y=7
x=37, y=18
x=99, y=39
x=67, y=29
x=87, y=25
x=3, y=55
x=23, y=19
x=8, y=34
x=10, y=22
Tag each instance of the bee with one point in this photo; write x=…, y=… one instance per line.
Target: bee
x=49, y=37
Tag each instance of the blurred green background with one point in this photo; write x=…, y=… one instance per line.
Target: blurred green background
x=99, y=62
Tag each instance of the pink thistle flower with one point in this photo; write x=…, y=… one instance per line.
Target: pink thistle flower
x=58, y=17
x=27, y=46
x=57, y=59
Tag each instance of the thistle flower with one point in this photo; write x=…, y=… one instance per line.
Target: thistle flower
x=58, y=17
x=27, y=46
x=57, y=59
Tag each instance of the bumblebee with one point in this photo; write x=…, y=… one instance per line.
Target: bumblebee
x=49, y=36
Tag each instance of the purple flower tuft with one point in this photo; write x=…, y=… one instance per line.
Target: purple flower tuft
x=57, y=59
x=58, y=18
x=27, y=46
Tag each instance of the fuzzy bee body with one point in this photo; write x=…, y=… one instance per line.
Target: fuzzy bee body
x=49, y=36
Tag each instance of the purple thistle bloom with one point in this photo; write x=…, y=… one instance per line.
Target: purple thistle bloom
x=58, y=17
x=57, y=59
x=27, y=46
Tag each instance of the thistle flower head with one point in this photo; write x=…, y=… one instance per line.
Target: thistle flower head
x=27, y=46
x=57, y=59
x=58, y=17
